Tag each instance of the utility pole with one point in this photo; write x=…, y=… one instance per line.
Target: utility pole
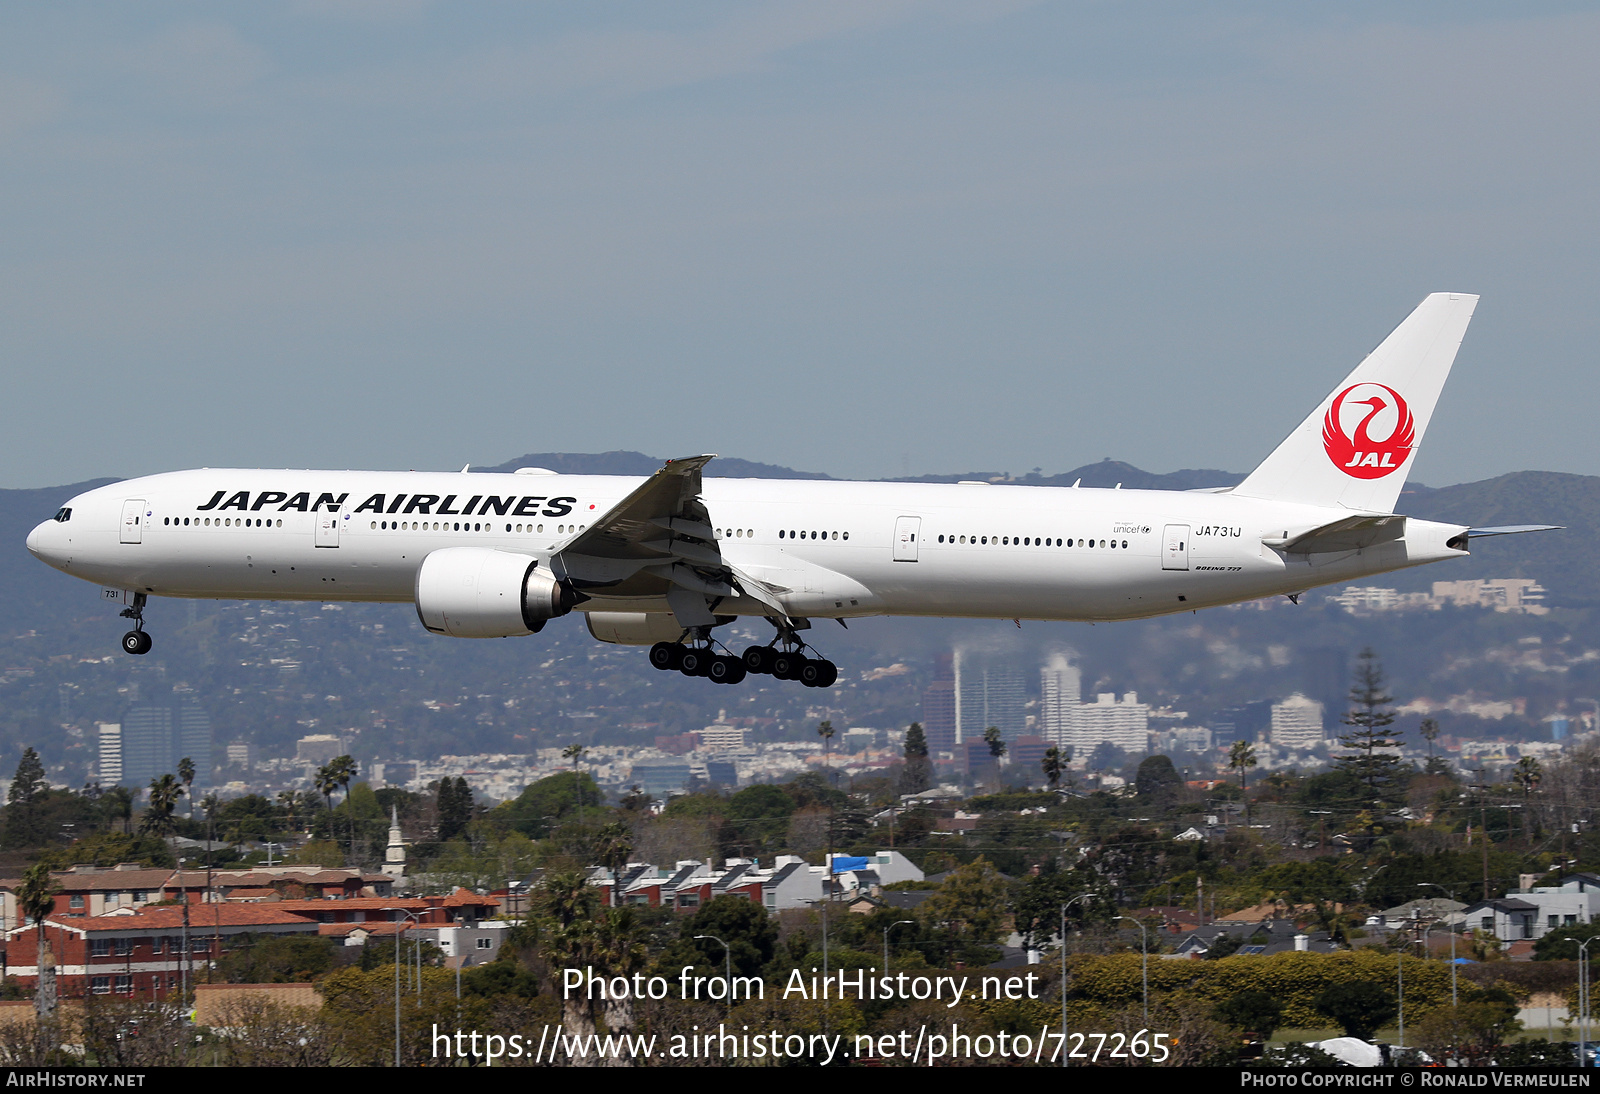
x=1322, y=826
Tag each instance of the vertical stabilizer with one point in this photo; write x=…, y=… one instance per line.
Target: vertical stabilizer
x=1355, y=450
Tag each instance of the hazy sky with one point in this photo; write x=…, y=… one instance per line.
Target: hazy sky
x=849, y=237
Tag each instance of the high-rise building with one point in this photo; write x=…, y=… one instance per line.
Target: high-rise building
x=155, y=737
x=939, y=707
x=318, y=749
x=1065, y=720
x=1246, y=722
x=990, y=691
x=1026, y=754
x=1059, y=692
x=1297, y=722
x=110, y=754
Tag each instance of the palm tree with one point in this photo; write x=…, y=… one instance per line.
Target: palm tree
x=157, y=819
x=1053, y=765
x=327, y=782
x=186, y=775
x=1429, y=729
x=1242, y=757
x=997, y=749
x=1528, y=774
x=614, y=846
x=117, y=804
x=568, y=912
x=344, y=770
x=574, y=755
x=289, y=802
x=825, y=731
x=36, y=899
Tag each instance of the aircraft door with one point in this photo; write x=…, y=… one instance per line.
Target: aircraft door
x=906, y=530
x=133, y=520
x=327, y=534
x=1175, y=547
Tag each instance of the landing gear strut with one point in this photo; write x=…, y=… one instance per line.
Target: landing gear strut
x=136, y=641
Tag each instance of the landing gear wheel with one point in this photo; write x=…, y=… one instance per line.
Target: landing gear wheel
x=819, y=674
x=666, y=655
x=136, y=641
x=787, y=666
x=695, y=662
x=726, y=670
x=759, y=658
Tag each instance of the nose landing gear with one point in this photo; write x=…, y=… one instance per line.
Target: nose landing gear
x=136, y=641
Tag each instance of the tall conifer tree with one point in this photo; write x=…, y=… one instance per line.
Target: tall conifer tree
x=1374, y=756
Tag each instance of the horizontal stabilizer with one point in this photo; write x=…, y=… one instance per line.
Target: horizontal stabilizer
x=1349, y=534
x=1513, y=529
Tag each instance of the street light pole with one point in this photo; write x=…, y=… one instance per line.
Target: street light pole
x=1400, y=973
x=398, y=932
x=1144, y=962
x=1065, y=1059
x=886, y=931
x=1451, y=894
x=1583, y=995
x=727, y=962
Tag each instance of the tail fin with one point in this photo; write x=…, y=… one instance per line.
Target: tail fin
x=1356, y=448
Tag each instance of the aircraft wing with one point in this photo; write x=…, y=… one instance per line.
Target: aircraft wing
x=658, y=541
x=662, y=508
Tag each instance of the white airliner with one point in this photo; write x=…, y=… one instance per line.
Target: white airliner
x=667, y=560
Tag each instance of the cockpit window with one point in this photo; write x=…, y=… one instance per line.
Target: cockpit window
x=63, y=515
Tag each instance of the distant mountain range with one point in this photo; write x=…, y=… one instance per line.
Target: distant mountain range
x=1107, y=473
x=1564, y=562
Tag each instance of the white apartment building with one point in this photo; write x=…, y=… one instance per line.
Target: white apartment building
x=1124, y=723
x=722, y=738
x=1066, y=721
x=1297, y=723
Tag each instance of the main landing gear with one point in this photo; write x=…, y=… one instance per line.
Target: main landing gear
x=793, y=664
x=697, y=661
x=136, y=641
x=784, y=664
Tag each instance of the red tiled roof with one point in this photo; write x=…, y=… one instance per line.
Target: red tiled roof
x=200, y=916
x=367, y=903
x=464, y=897
x=375, y=927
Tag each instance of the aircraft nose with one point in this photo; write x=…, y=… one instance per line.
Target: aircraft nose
x=42, y=542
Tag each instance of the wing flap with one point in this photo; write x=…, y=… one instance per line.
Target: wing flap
x=658, y=541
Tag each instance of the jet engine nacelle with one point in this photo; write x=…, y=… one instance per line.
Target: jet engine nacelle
x=478, y=592
x=634, y=628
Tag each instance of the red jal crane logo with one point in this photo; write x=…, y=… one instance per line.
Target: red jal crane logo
x=1357, y=453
